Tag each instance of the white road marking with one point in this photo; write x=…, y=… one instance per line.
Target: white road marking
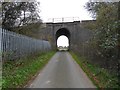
x=31, y=85
x=47, y=82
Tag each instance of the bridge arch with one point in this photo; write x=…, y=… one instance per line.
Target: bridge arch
x=63, y=31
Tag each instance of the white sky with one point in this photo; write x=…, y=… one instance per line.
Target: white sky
x=63, y=8
x=64, y=40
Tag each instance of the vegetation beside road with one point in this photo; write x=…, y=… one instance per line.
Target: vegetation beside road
x=16, y=74
x=99, y=76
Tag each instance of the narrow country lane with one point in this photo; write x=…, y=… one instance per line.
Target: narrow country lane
x=62, y=72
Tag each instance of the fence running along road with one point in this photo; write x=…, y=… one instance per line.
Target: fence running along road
x=15, y=45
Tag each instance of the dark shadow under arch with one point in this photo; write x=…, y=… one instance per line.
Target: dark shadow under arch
x=63, y=31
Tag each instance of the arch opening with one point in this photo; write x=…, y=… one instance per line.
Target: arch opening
x=62, y=43
x=63, y=39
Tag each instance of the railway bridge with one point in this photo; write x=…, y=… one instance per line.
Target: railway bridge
x=72, y=30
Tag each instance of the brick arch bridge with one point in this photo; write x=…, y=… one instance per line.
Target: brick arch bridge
x=72, y=30
x=65, y=32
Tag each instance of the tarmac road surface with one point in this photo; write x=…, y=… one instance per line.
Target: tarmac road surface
x=62, y=72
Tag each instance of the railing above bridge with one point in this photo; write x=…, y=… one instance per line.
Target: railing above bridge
x=62, y=20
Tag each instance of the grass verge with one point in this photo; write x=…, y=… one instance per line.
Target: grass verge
x=99, y=76
x=17, y=73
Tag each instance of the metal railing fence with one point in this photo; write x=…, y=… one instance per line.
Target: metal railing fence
x=13, y=45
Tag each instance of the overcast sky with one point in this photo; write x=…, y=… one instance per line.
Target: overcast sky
x=63, y=8
x=62, y=41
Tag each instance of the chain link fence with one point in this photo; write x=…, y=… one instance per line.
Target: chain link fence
x=14, y=46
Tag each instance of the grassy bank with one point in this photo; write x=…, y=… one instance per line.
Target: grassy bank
x=17, y=73
x=99, y=76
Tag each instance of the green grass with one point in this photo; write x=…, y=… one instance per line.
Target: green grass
x=99, y=76
x=17, y=73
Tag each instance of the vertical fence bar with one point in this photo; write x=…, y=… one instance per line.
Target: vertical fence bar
x=0, y=57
